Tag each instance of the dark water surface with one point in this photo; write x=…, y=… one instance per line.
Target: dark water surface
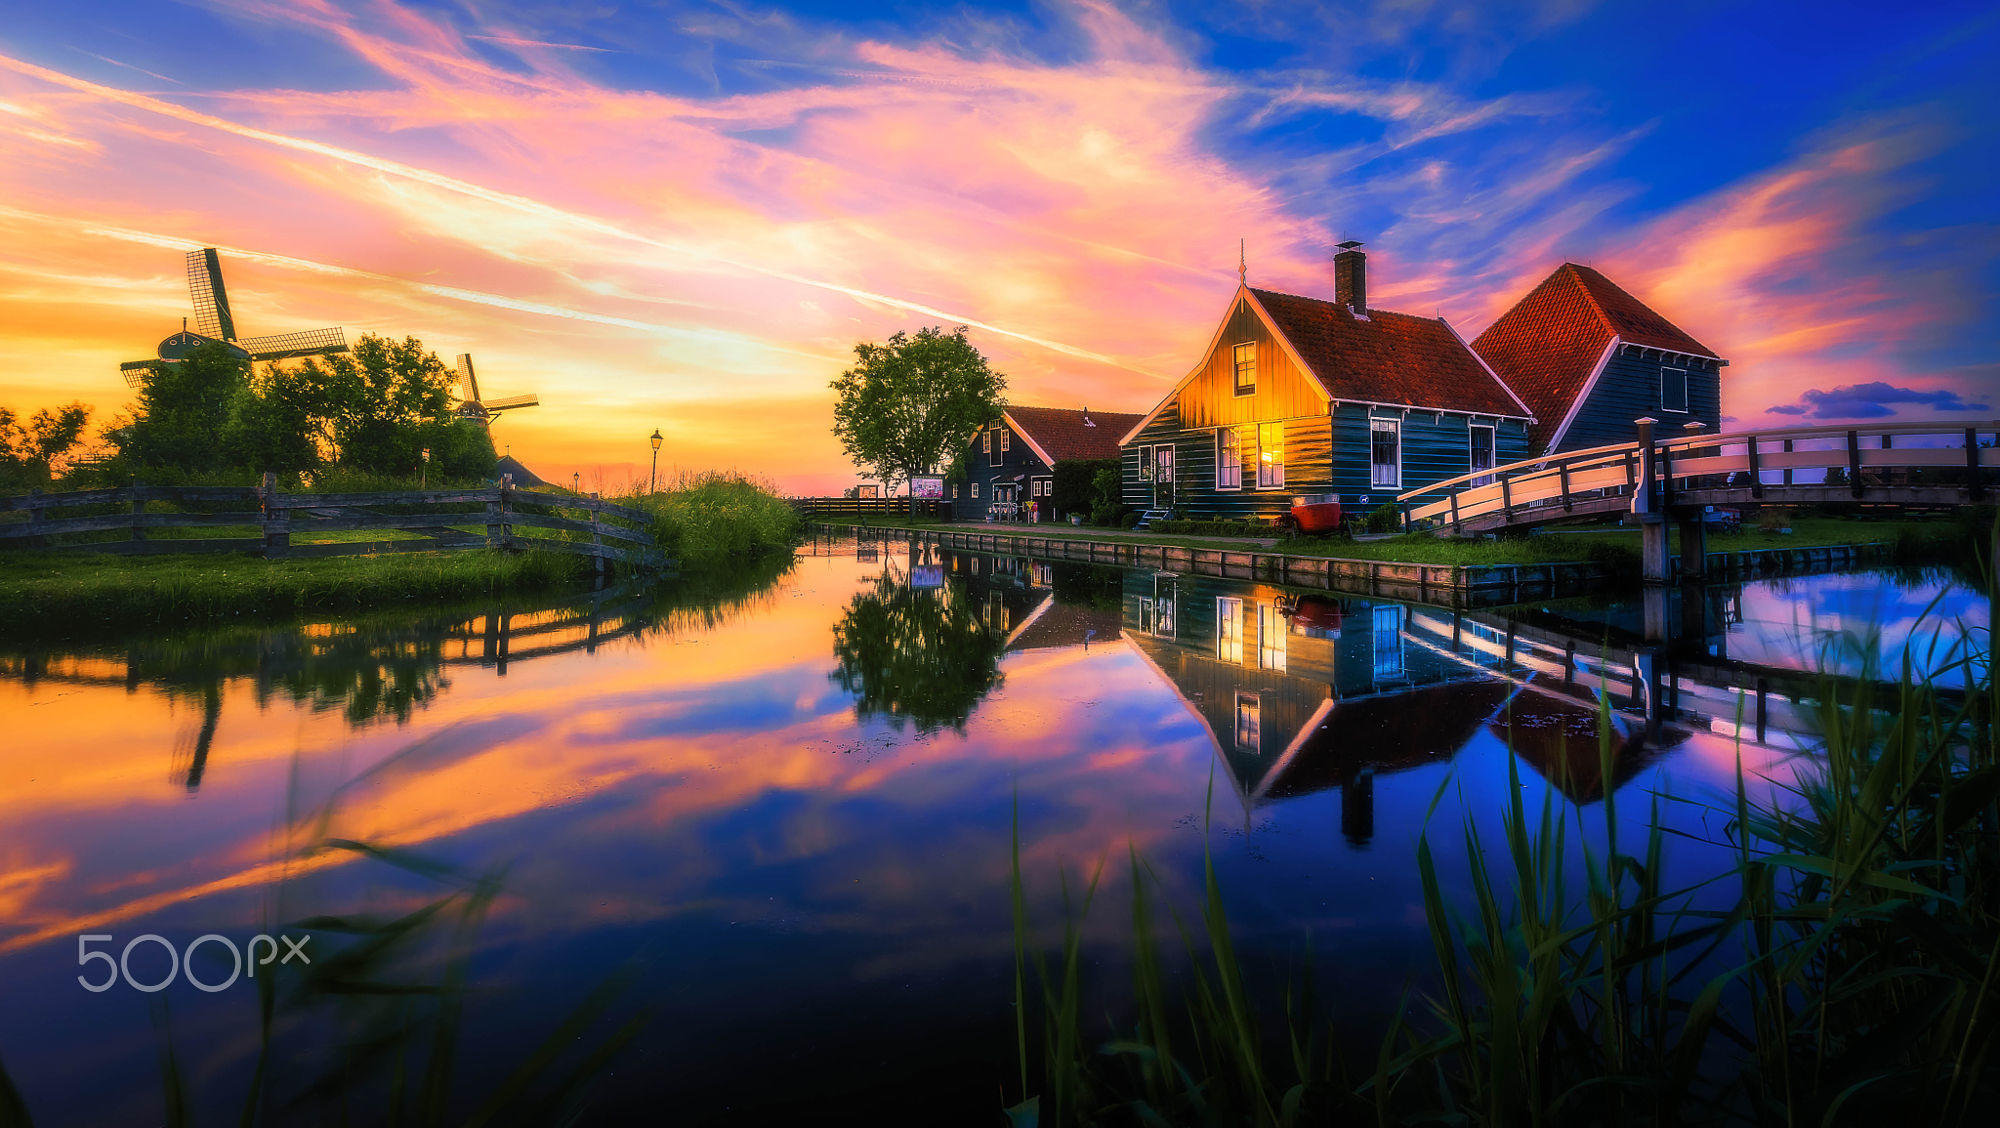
x=779, y=827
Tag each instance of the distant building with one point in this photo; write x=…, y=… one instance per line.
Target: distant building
x=1010, y=464
x=1588, y=358
x=523, y=476
x=1301, y=395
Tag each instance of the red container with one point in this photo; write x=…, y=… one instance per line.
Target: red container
x=1316, y=513
x=1317, y=616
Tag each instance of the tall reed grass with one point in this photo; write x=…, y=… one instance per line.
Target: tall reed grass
x=1843, y=967
x=713, y=521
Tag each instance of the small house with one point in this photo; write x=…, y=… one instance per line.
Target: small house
x=1302, y=395
x=1009, y=468
x=1589, y=358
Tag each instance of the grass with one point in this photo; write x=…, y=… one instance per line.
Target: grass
x=54, y=595
x=711, y=522
x=1844, y=968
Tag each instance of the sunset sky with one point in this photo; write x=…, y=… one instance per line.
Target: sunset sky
x=684, y=215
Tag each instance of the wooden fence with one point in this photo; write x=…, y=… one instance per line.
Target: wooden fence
x=868, y=506
x=274, y=525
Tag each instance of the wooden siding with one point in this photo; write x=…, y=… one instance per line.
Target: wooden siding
x=1019, y=458
x=1629, y=388
x=1308, y=468
x=1436, y=446
x=1284, y=391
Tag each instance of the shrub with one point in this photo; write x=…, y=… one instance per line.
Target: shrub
x=1084, y=487
x=1130, y=519
x=1771, y=520
x=1384, y=518
x=709, y=521
x=1213, y=528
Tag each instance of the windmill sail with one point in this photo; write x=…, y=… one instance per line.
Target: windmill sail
x=468, y=383
x=470, y=406
x=211, y=301
x=282, y=346
x=509, y=403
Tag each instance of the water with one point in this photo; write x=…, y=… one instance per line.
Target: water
x=778, y=823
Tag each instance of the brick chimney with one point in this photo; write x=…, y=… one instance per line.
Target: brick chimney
x=1350, y=277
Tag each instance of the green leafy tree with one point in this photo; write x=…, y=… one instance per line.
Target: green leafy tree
x=184, y=411
x=279, y=421
x=916, y=655
x=30, y=455
x=907, y=405
x=382, y=401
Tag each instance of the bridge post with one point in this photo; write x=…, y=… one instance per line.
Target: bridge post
x=1646, y=506
x=1694, y=546
x=1756, y=472
x=1973, y=488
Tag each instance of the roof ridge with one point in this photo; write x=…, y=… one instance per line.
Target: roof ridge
x=1371, y=311
x=1590, y=296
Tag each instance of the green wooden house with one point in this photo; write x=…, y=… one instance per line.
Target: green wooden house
x=1301, y=395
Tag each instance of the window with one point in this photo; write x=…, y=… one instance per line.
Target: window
x=1673, y=389
x=1245, y=357
x=1271, y=628
x=954, y=491
x=1166, y=599
x=1249, y=723
x=975, y=489
x=1270, y=456
x=1006, y=440
x=1229, y=629
x=1385, y=459
x=986, y=442
x=1229, y=459
x=1483, y=455
x=1145, y=463
x=1388, y=641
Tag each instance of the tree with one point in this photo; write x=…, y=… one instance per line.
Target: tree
x=278, y=421
x=29, y=455
x=906, y=406
x=184, y=411
x=380, y=400
x=915, y=655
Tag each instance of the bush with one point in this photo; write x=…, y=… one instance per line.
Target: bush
x=710, y=521
x=1384, y=518
x=1130, y=519
x=1771, y=520
x=1081, y=487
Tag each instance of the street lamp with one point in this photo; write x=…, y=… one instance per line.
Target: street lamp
x=656, y=441
x=576, y=481
x=423, y=469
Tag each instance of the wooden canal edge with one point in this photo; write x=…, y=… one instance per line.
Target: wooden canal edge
x=1455, y=585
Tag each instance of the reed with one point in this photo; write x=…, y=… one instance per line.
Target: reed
x=1844, y=966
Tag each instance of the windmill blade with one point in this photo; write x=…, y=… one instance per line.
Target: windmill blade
x=135, y=372
x=211, y=301
x=468, y=383
x=510, y=403
x=283, y=346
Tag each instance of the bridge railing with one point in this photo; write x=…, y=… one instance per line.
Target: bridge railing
x=1821, y=461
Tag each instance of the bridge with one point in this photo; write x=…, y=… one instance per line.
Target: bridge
x=1658, y=479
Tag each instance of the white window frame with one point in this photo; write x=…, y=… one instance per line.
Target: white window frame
x=975, y=490
x=1248, y=737
x=1386, y=622
x=1492, y=429
x=1234, y=463
x=1006, y=440
x=1274, y=480
x=1236, y=368
x=1376, y=425
x=986, y=442
x=1229, y=629
x=1271, y=631
x=1685, y=406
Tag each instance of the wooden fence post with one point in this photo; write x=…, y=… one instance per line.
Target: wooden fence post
x=596, y=537
x=506, y=507
x=277, y=520
x=1972, y=484
x=1756, y=472
x=138, y=509
x=37, y=516
x=1854, y=463
x=496, y=536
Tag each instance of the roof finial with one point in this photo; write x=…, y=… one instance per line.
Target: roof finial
x=1242, y=264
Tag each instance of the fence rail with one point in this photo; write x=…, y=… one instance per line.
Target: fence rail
x=872, y=506
x=288, y=526
x=1920, y=464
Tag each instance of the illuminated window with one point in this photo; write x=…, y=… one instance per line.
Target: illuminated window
x=1166, y=598
x=1249, y=723
x=1245, y=356
x=975, y=489
x=1229, y=629
x=986, y=441
x=1006, y=440
x=1385, y=458
x=1271, y=628
x=1229, y=459
x=1270, y=455
x=1673, y=389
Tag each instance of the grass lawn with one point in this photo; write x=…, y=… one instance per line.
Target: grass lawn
x=54, y=595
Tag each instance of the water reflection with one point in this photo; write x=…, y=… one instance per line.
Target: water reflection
x=795, y=800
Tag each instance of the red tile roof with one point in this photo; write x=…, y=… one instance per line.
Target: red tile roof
x=1547, y=345
x=1386, y=357
x=1067, y=434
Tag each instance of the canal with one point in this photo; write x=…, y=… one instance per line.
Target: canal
x=756, y=848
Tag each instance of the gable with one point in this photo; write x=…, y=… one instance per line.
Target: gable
x=1283, y=389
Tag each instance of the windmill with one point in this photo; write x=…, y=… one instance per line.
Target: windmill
x=482, y=411
x=214, y=322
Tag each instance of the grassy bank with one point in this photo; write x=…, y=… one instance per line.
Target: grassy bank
x=1843, y=968
x=69, y=595
x=711, y=522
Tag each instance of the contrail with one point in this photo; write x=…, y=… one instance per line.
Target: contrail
x=455, y=293
x=525, y=205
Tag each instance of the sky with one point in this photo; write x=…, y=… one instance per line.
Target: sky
x=685, y=215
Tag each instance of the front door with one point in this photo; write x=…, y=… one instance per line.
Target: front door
x=1163, y=477
x=1483, y=455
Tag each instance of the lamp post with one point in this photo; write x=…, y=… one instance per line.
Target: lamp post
x=423, y=469
x=656, y=440
x=576, y=481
